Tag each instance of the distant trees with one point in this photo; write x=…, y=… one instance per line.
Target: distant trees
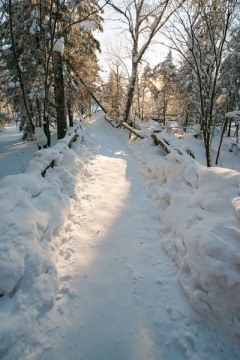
x=142, y=22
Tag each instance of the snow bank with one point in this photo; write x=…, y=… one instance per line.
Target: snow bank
x=32, y=208
x=199, y=209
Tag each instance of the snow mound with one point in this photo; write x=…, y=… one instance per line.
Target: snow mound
x=59, y=46
x=32, y=209
x=40, y=136
x=199, y=209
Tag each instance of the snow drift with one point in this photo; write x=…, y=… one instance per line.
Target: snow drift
x=199, y=209
x=32, y=208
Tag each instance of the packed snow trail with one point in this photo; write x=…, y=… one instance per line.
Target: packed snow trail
x=119, y=297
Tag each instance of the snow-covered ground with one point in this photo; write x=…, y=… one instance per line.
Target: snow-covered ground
x=15, y=154
x=112, y=258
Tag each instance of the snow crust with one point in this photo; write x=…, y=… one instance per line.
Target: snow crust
x=199, y=212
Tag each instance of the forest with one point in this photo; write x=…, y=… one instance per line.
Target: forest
x=50, y=71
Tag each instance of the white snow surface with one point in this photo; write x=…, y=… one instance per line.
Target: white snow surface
x=40, y=136
x=109, y=258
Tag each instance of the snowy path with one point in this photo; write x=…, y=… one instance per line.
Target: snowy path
x=119, y=297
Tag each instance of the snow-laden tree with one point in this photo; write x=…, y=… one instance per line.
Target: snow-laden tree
x=199, y=33
x=32, y=38
x=229, y=78
x=163, y=86
x=114, y=93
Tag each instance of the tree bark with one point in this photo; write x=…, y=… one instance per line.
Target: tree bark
x=59, y=95
x=70, y=113
x=220, y=144
x=130, y=93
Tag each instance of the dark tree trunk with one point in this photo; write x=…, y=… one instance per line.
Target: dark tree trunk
x=220, y=143
x=229, y=127
x=59, y=95
x=47, y=133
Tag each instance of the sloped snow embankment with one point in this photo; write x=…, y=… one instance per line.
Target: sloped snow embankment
x=199, y=212
x=32, y=208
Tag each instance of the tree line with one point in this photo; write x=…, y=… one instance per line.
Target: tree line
x=49, y=68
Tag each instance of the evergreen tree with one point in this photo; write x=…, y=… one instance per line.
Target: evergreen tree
x=30, y=42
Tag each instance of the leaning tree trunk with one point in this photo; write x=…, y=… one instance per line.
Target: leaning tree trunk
x=92, y=95
x=59, y=95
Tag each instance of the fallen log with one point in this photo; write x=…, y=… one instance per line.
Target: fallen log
x=163, y=143
x=131, y=129
x=167, y=148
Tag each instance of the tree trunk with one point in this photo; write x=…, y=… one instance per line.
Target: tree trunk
x=130, y=93
x=39, y=112
x=70, y=113
x=207, y=148
x=59, y=95
x=220, y=144
x=93, y=96
x=47, y=133
x=229, y=127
